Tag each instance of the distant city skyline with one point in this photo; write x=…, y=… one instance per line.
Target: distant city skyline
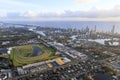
x=60, y=10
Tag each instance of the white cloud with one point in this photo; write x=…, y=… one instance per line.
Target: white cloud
x=98, y=14
x=2, y=14
x=13, y=15
x=84, y=1
x=29, y=14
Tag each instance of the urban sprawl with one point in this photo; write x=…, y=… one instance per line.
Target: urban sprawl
x=29, y=52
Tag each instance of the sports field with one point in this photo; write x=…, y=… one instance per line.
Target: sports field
x=19, y=55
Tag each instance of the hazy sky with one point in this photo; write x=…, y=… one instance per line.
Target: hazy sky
x=42, y=10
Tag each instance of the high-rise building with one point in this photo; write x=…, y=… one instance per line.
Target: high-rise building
x=95, y=28
x=113, y=29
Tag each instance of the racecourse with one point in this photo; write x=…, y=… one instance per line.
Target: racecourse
x=19, y=54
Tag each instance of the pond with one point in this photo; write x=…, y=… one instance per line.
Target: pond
x=36, y=51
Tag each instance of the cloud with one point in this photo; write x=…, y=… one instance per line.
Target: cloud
x=48, y=14
x=68, y=14
x=29, y=14
x=95, y=13
x=2, y=14
x=84, y=1
x=13, y=15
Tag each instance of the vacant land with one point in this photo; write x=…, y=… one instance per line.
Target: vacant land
x=19, y=54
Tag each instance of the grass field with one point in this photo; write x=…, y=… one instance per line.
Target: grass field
x=18, y=54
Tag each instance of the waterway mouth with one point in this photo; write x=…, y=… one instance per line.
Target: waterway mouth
x=36, y=52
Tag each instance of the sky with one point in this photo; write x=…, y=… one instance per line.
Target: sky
x=63, y=10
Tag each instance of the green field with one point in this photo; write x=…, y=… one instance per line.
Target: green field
x=19, y=54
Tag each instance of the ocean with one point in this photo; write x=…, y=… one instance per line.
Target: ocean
x=100, y=25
